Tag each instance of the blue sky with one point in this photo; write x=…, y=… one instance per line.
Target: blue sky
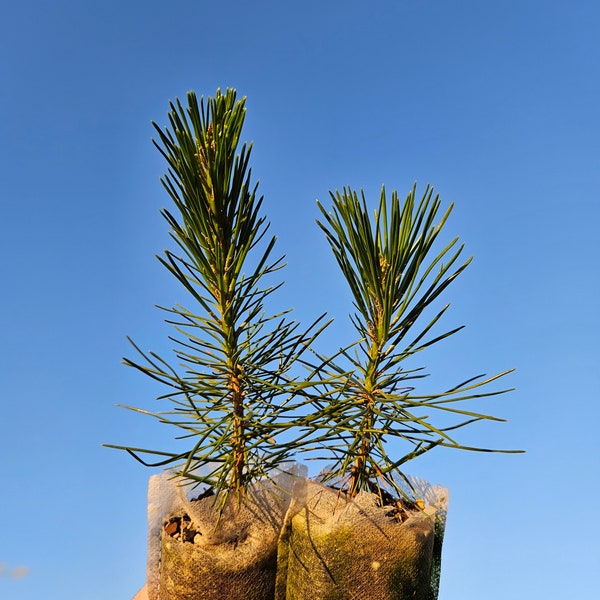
x=495, y=104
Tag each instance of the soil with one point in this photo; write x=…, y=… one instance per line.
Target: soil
x=399, y=508
x=181, y=527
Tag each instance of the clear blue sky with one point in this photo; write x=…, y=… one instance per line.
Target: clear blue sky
x=494, y=103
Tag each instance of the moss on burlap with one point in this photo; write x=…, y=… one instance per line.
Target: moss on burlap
x=334, y=549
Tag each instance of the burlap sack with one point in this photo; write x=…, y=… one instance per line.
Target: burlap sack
x=190, y=559
x=335, y=549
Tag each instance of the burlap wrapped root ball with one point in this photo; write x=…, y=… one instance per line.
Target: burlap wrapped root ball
x=190, y=559
x=335, y=549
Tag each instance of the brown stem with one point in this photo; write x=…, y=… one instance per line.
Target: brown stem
x=358, y=473
x=239, y=449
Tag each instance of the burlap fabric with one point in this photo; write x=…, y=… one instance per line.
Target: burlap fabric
x=335, y=549
x=235, y=560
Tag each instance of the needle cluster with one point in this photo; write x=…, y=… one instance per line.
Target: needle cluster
x=395, y=274
x=235, y=392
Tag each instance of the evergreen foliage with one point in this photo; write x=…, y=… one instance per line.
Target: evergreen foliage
x=394, y=273
x=233, y=389
x=235, y=392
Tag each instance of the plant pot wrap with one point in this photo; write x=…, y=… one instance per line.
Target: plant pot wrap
x=331, y=548
x=235, y=560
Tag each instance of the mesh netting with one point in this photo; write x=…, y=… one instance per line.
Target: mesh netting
x=332, y=548
x=191, y=559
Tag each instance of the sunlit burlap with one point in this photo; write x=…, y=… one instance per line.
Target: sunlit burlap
x=235, y=560
x=334, y=549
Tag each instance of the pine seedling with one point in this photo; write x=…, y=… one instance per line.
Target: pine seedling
x=395, y=270
x=233, y=392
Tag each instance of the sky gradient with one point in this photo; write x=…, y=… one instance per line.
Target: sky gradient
x=494, y=104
